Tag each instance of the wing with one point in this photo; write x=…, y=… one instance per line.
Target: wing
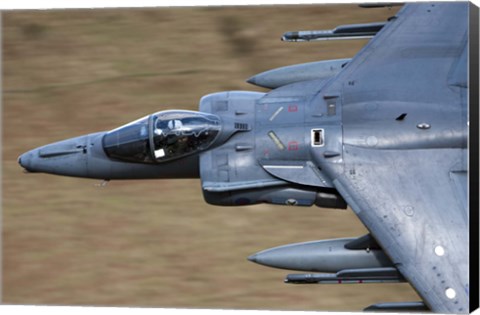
x=413, y=204
x=403, y=169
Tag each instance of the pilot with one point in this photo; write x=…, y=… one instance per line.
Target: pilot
x=168, y=140
x=175, y=124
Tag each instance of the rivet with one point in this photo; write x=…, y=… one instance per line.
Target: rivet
x=439, y=250
x=409, y=211
x=450, y=293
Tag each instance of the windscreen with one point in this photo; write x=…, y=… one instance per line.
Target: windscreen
x=162, y=136
x=129, y=142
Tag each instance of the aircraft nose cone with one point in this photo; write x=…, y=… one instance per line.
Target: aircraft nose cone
x=253, y=258
x=67, y=157
x=25, y=161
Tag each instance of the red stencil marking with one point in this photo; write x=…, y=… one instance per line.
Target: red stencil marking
x=293, y=146
x=293, y=108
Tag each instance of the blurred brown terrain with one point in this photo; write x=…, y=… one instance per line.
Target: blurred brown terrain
x=153, y=243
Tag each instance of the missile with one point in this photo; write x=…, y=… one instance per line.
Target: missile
x=397, y=307
x=380, y=5
x=352, y=31
x=349, y=276
x=329, y=256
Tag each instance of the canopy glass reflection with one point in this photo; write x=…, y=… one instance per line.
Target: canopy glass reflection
x=163, y=136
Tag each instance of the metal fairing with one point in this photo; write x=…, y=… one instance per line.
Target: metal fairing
x=291, y=113
x=276, y=154
x=228, y=163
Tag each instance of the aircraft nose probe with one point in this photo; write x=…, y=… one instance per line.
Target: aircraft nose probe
x=23, y=160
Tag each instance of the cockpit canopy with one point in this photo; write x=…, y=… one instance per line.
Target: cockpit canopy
x=162, y=136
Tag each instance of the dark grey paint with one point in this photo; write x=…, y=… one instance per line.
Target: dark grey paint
x=278, y=77
x=387, y=134
x=321, y=256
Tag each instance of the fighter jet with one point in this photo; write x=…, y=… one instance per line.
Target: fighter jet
x=384, y=132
